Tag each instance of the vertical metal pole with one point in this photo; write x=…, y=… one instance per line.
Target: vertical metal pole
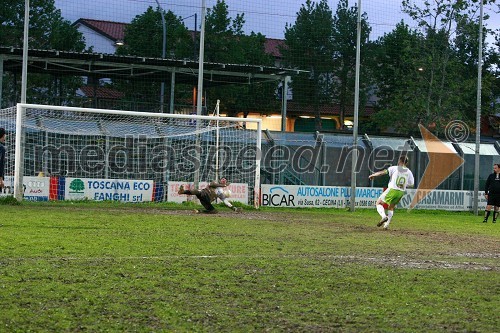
x=18, y=155
x=284, y=103
x=195, y=33
x=24, y=77
x=106, y=159
x=478, y=110
x=45, y=161
x=1, y=79
x=172, y=91
x=256, y=191
x=19, y=152
x=163, y=52
x=200, y=90
x=356, y=109
x=217, y=137
x=201, y=59
x=323, y=174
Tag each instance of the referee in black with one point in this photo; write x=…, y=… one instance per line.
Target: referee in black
x=492, y=193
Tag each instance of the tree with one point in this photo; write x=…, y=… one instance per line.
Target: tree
x=398, y=83
x=309, y=46
x=450, y=30
x=223, y=35
x=494, y=69
x=466, y=45
x=344, y=55
x=144, y=37
x=429, y=75
x=47, y=30
x=226, y=42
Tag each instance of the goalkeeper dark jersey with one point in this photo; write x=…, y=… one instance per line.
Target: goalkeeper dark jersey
x=492, y=184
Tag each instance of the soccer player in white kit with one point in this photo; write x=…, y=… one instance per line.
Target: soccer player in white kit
x=400, y=178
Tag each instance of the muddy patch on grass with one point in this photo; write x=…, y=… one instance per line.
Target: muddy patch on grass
x=412, y=263
x=382, y=261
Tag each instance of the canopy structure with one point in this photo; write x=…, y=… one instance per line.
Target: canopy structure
x=99, y=65
x=135, y=67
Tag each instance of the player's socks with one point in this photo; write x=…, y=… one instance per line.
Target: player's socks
x=389, y=215
x=486, y=215
x=389, y=218
x=381, y=211
x=495, y=215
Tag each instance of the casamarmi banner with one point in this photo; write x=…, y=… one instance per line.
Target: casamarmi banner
x=442, y=199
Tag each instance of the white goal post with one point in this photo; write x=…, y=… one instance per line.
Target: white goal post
x=72, y=142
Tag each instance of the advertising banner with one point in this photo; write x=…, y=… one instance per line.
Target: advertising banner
x=35, y=188
x=443, y=200
x=124, y=190
x=366, y=197
x=316, y=196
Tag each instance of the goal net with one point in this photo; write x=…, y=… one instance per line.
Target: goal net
x=101, y=154
x=8, y=122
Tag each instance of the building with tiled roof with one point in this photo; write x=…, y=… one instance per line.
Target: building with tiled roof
x=103, y=36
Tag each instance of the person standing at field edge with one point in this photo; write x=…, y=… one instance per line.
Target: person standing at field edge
x=2, y=155
x=492, y=193
x=399, y=178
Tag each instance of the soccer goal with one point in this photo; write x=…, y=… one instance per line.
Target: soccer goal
x=100, y=154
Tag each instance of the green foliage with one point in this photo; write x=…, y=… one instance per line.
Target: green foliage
x=144, y=36
x=430, y=76
x=309, y=46
x=425, y=75
x=325, y=45
x=225, y=42
x=48, y=30
x=344, y=66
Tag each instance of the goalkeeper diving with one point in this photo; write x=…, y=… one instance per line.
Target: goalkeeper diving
x=214, y=190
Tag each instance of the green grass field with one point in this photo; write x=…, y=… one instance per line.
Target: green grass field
x=105, y=267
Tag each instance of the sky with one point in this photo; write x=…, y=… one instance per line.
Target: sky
x=268, y=17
